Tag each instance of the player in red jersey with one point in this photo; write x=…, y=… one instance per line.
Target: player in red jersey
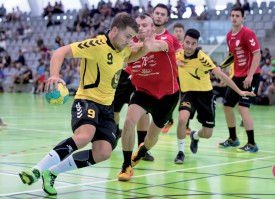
x=157, y=90
x=244, y=45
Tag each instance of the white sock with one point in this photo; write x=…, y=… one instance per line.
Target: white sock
x=196, y=135
x=66, y=165
x=52, y=158
x=181, y=143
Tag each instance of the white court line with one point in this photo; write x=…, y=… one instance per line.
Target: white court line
x=140, y=176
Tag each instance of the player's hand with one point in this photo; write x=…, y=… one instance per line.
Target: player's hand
x=53, y=82
x=247, y=82
x=135, y=46
x=247, y=93
x=180, y=63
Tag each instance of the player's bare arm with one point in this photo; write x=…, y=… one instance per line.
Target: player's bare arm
x=255, y=63
x=55, y=65
x=218, y=73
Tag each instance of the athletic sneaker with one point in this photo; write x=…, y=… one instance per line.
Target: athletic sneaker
x=194, y=143
x=48, y=178
x=180, y=158
x=148, y=157
x=249, y=148
x=118, y=135
x=135, y=158
x=167, y=127
x=229, y=143
x=126, y=173
x=29, y=176
x=2, y=123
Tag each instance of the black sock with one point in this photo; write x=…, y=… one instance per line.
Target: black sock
x=232, y=133
x=127, y=158
x=141, y=136
x=250, y=136
x=84, y=158
x=142, y=151
x=65, y=148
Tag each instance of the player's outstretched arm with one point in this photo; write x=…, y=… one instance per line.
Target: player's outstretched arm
x=55, y=65
x=227, y=80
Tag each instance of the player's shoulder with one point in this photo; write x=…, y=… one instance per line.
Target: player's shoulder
x=247, y=30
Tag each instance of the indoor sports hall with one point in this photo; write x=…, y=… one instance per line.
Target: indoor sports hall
x=30, y=30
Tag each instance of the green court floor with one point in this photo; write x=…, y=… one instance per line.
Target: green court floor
x=34, y=127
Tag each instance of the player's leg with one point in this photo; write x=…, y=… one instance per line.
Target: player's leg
x=83, y=134
x=161, y=110
x=230, y=100
x=142, y=128
x=186, y=110
x=134, y=113
x=206, y=106
x=103, y=142
x=243, y=109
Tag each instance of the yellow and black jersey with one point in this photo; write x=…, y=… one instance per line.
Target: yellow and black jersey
x=100, y=68
x=194, y=75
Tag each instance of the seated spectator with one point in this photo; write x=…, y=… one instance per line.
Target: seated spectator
x=3, y=44
x=9, y=72
x=271, y=89
x=21, y=58
x=265, y=55
x=24, y=77
x=39, y=78
x=237, y=4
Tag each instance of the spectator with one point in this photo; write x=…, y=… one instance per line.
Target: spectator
x=2, y=11
x=48, y=10
x=9, y=73
x=24, y=76
x=21, y=58
x=237, y=4
x=205, y=14
x=246, y=6
x=265, y=55
x=271, y=89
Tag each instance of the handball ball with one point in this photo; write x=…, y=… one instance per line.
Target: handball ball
x=58, y=97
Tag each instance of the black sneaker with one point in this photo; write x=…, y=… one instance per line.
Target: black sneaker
x=148, y=157
x=194, y=143
x=118, y=135
x=229, y=143
x=180, y=158
x=249, y=148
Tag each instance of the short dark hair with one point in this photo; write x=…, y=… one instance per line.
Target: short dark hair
x=144, y=15
x=238, y=8
x=178, y=25
x=123, y=20
x=192, y=33
x=161, y=5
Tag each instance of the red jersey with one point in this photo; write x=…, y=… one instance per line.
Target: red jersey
x=156, y=73
x=242, y=45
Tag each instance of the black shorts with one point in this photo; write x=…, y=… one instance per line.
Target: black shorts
x=160, y=109
x=232, y=98
x=124, y=91
x=204, y=102
x=100, y=116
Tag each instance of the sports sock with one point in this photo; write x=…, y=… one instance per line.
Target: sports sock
x=232, y=133
x=250, y=136
x=127, y=157
x=76, y=161
x=59, y=152
x=181, y=143
x=141, y=136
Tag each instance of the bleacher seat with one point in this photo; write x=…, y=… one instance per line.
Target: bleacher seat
x=268, y=25
x=261, y=33
x=263, y=5
x=259, y=25
x=257, y=18
x=271, y=4
x=266, y=18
